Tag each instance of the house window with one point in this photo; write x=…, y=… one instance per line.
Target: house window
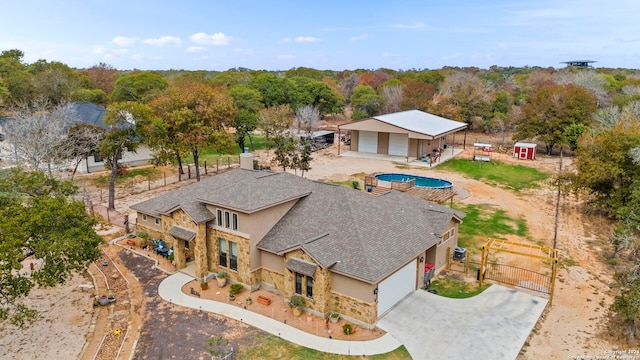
x=157, y=221
x=219, y=216
x=144, y=217
x=233, y=259
x=309, y=287
x=299, y=283
x=223, y=252
x=186, y=244
x=183, y=219
x=235, y=221
x=97, y=158
x=226, y=219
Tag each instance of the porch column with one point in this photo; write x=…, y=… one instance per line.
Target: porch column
x=200, y=251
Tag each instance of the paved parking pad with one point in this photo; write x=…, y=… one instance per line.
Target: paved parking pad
x=493, y=325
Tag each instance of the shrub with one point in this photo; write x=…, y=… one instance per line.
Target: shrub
x=222, y=275
x=235, y=288
x=296, y=301
x=347, y=329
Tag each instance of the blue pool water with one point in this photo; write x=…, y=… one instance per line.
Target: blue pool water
x=422, y=181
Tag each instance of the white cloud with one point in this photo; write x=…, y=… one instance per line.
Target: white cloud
x=417, y=25
x=286, y=57
x=124, y=41
x=358, y=37
x=306, y=39
x=243, y=51
x=108, y=53
x=300, y=39
x=217, y=39
x=162, y=41
x=195, y=49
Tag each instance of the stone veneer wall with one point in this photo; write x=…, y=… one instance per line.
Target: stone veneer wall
x=360, y=312
x=321, y=284
x=272, y=279
x=244, y=274
x=153, y=233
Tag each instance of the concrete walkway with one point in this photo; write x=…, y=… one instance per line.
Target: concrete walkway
x=170, y=290
x=493, y=325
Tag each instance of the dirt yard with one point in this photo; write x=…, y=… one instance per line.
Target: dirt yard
x=571, y=327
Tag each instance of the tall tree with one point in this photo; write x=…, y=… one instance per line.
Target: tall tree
x=81, y=141
x=248, y=102
x=36, y=131
x=103, y=76
x=551, y=110
x=39, y=219
x=417, y=95
x=365, y=102
x=469, y=94
x=276, y=123
x=140, y=87
x=125, y=120
x=197, y=116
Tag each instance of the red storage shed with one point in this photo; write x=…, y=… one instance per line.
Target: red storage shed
x=524, y=151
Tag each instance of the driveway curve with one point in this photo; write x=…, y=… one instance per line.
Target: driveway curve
x=492, y=325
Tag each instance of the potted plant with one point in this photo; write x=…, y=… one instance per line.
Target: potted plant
x=249, y=300
x=143, y=235
x=203, y=284
x=295, y=303
x=234, y=289
x=334, y=317
x=348, y=329
x=221, y=278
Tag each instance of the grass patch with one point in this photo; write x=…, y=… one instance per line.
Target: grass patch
x=456, y=289
x=146, y=172
x=484, y=222
x=211, y=156
x=512, y=177
x=273, y=347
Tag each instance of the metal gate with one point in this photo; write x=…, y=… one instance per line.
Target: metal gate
x=523, y=278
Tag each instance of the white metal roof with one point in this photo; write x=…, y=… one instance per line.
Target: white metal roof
x=416, y=121
x=525, y=145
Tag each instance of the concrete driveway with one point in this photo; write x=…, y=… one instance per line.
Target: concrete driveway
x=493, y=325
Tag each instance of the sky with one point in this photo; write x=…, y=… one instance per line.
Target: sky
x=327, y=35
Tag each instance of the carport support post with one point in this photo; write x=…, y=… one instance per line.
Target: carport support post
x=553, y=279
x=448, y=258
x=481, y=267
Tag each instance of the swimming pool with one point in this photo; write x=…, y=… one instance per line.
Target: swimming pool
x=421, y=181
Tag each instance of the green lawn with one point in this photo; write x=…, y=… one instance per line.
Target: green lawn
x=273, y=347
x=457, y=289
x=483, y=222
x=146, y=172
x=512, y=177
x=210, y=156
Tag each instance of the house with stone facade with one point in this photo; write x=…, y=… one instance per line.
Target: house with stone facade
x=344, y=250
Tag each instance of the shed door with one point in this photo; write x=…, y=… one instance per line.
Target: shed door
x=524, y=152
x=396, y=287
x=398, y=144
x=368, y=142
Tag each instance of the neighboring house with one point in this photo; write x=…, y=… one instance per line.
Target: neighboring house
x=91, y=113
x=343, y=249
x=410, y=134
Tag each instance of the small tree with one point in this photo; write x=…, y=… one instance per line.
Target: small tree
x=217, y=346
x=626, y=305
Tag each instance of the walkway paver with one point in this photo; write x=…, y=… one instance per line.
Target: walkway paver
x=170, y=290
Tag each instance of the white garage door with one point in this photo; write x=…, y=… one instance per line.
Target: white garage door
x=398, y=144
x=396, y=287
x=368, y=142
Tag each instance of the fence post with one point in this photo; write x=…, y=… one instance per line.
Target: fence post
x=189, y=170
x=149, y=183
x=228, y=162
x=448, y=258
x=108, y=217
x=205, y=167
x=164, y=174
x=217, y=164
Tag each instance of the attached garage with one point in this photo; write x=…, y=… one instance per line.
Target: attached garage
x=368, y=142
x=396, y=287
x=398, y=144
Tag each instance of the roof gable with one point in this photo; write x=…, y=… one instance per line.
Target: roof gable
x=413, y=121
